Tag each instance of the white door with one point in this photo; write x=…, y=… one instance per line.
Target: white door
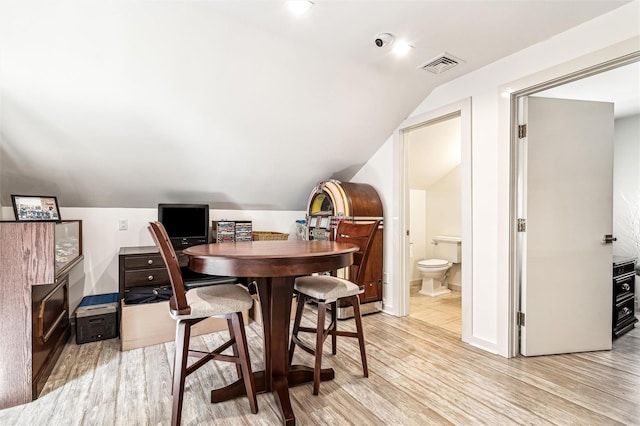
x=566, y=268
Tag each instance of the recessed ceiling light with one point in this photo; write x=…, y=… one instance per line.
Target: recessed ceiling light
x=299, y=7
x=401, y=47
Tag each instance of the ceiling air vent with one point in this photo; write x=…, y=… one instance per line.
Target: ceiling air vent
x=441, y=63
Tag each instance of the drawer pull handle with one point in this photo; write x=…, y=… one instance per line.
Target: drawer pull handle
x=150, y=261
x=150, y=277
x=626, y=287
x=53, y=328
x=41, y=333
x=625, y=311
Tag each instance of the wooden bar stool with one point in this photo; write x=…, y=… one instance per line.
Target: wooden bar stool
x=189, y=308
x=328, y=290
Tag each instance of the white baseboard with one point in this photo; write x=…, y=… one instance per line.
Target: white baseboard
x=452, y=287
x=455, y=287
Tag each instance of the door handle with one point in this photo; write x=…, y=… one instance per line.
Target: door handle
x=608, y=239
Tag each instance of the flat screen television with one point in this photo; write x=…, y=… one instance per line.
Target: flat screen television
x=186, y=224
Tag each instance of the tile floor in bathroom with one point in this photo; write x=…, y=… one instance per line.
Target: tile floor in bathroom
x=443, y=311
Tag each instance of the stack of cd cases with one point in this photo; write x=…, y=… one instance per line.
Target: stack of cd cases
x=230, y=231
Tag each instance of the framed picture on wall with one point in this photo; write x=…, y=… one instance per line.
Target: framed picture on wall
x=35, y=208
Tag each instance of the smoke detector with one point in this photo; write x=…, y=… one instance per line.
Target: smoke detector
x=441, y=63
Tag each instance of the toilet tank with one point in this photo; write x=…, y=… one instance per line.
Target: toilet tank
x=448, y=248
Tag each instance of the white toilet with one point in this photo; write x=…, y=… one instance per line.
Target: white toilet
x=436, y=271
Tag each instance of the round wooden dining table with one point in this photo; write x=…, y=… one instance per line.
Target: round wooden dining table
x=274, y=265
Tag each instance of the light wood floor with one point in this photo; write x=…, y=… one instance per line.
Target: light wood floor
x=443, y=311
x=419, y=375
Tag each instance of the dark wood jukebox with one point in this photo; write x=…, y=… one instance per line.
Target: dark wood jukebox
x=333, y=201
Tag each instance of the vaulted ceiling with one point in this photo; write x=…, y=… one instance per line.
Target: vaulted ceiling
x=237, y=104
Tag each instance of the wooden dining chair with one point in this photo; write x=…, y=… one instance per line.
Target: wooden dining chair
x=329, y=290
x=189, y=308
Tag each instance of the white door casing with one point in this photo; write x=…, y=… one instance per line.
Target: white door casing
x=566, y=269
x=401, y=214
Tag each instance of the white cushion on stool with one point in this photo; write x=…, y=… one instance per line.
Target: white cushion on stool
x=216, y=300
x=325, y=287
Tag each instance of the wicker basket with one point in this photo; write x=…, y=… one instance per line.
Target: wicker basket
x=266, y=235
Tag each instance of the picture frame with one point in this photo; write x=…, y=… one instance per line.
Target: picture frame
x=40, y=208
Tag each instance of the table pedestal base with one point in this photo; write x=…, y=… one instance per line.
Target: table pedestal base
x=298, y=375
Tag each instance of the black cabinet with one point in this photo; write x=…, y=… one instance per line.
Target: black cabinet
x=624, y=278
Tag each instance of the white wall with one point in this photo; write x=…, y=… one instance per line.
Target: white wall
x=444, y=209
x=607, y=37
x=434, y=211
x=434, y=150
x=378, y=172
x=626, y=186
x=1, y=144
x=101, y=239
x=444, y=217
x=418, y=231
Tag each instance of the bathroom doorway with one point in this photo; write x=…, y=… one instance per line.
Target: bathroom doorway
x=400, y=294
x=435, y=196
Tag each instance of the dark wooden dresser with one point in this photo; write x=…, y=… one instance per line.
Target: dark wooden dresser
x=36, y=259
x=149, y=323
x=142, y=267
x=624, y=276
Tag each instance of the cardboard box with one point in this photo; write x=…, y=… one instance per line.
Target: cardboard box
x=150, y=324
x=256, y=312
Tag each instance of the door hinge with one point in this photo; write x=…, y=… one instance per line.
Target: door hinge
x=522, y=131
x=522, y=225
x=520, y=318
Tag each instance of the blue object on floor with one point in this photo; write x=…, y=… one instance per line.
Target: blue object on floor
x=99, y=299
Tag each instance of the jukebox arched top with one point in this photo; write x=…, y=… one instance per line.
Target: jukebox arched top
x=347, y=199
x=332, y=201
